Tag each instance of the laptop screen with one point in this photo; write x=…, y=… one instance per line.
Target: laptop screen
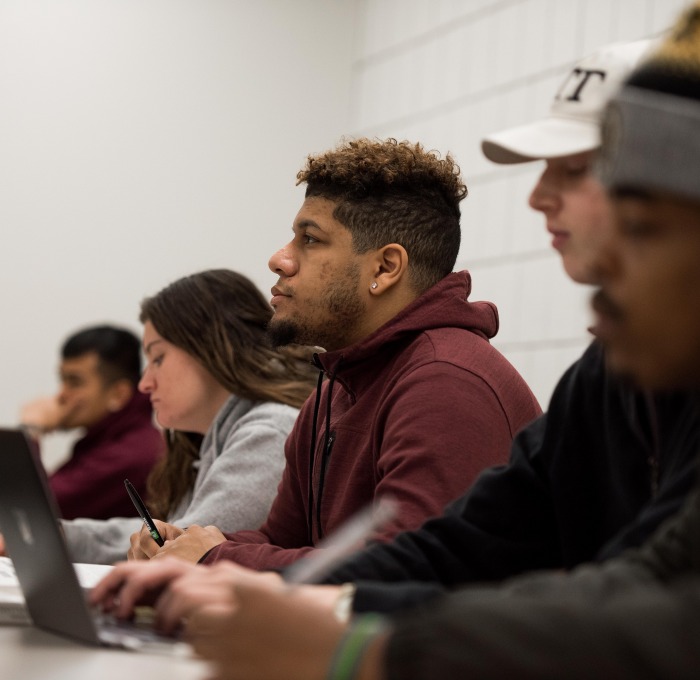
x=32, y=532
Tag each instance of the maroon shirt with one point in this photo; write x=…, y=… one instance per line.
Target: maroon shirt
x=122, y=445
x=418, y=409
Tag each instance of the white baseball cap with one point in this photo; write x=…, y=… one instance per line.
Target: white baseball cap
x=573, y=123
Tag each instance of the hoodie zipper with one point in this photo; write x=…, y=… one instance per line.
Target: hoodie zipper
x=321, y=480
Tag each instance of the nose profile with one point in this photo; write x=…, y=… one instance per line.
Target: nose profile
x=146, y=383
x=544, y=197
x=282, y=262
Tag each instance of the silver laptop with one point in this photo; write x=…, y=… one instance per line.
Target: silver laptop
x=34, y=540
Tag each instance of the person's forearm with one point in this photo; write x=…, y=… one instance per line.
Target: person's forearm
x=260, y=556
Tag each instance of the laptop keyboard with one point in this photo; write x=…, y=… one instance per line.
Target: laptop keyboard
x=136, y=635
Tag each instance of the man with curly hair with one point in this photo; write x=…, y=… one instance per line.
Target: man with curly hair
x=416, y=401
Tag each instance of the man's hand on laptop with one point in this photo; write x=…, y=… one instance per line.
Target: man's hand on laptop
x=132, y=584
x=206, y=586
x=189, y=544
x=176, y=589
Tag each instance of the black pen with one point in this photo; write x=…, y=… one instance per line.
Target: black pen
x=145, y=515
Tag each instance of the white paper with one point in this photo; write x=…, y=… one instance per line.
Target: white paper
x=12, y=608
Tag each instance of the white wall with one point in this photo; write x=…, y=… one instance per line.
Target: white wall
x=446, y=73
x=141, y=140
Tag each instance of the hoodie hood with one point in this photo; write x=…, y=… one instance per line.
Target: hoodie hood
x=446, y=304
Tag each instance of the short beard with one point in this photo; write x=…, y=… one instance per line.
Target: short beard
x=282, y=333
x=329, y=321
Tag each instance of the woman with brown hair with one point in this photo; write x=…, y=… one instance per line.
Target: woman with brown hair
x=227, y=401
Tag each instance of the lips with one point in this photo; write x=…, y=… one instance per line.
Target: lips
x=278, y=295
x=559, y=237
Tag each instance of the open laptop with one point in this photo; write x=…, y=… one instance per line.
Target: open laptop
x=34, y=540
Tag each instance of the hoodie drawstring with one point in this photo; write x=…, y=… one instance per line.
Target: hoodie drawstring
x=327, y=444
x=328, y=439
x=312, y=455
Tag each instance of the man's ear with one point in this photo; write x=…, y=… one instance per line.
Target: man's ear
x=118, y=395
x=390, y=267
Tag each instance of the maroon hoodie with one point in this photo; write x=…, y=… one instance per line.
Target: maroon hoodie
x=122, y=445
x=415, y=411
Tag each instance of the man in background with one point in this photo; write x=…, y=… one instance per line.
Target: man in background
x=99, y=372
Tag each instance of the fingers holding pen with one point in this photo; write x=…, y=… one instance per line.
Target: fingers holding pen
x=143, y=547
x=137, y=551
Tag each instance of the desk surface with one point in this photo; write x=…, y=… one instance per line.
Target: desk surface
x=27, y=653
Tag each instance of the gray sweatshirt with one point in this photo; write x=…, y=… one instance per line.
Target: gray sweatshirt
x=239, y=468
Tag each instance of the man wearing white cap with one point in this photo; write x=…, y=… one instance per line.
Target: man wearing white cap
x=594, y=476
x=606, y=464
x=574, y=203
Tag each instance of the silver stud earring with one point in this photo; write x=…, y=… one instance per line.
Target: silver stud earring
x=374, y=285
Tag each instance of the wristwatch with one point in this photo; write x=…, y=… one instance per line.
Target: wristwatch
x=342, y=609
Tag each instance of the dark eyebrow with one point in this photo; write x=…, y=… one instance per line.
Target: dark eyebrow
x=305, y=224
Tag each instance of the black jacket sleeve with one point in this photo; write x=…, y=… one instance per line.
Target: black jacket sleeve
x=635, y=617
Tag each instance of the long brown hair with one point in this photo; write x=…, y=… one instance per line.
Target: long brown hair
x=220, y=318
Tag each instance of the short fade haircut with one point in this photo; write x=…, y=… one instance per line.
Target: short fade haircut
x=393, y=192
x=118, y=351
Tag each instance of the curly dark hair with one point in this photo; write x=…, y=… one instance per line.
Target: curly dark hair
x=219, y=317
x=393, y=192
